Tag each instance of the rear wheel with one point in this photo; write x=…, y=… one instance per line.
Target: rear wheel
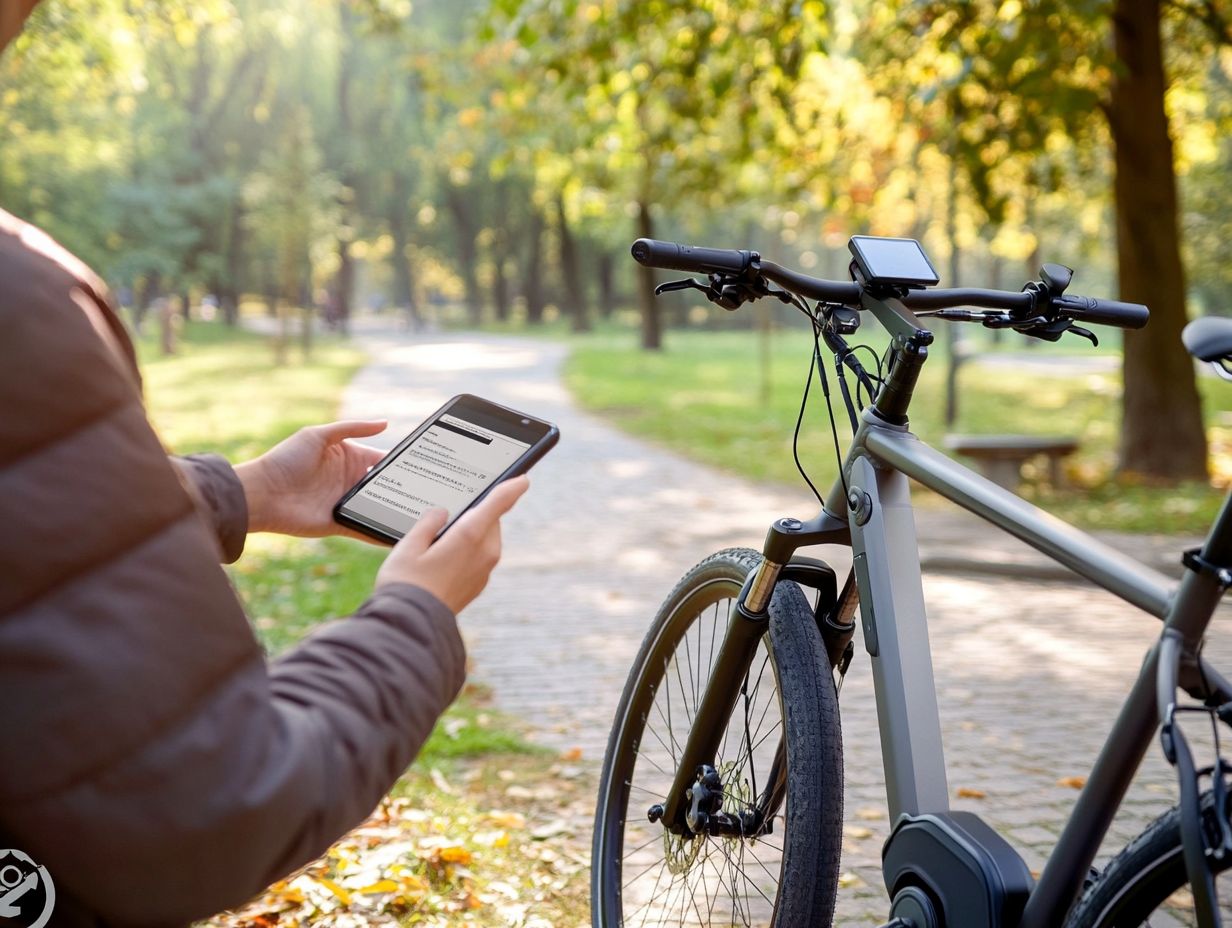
x=781, y=753
x=1146, y=884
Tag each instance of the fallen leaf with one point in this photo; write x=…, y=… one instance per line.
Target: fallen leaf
x=439, y=781
x=966, y=792
x=455, y=854
x=343, y=896
x=857, y=831
x=551, y=830
x=573, y=754
x=515, y=820
x=1072, y=782
x=492, y=838
x=380, y=886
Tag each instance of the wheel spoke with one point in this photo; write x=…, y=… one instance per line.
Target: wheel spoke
x=652, y=877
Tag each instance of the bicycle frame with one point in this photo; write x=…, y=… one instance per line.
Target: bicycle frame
x=870, y=509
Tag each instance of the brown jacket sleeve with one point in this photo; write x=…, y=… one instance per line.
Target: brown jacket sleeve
x=220, y=499
x=152, y=759
x=271, y=766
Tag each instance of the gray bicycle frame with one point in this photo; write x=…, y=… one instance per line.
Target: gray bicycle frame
x=875, y=502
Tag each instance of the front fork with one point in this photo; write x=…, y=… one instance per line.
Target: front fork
x=747, y=623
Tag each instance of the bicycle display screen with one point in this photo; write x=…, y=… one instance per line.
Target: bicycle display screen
x=894, y=261
x=449, y=462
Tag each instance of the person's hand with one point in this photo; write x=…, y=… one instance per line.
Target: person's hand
x=292, y=488
x=455, y=569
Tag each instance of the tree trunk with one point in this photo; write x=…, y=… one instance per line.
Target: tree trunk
x=149, y=291
x=953, y=358
x=228, y=289
x=344, y=284
x=498, y=248
x=994, y=280
x=652, y=330
x=1161, y=433
x=575, y=292
x=607, y=285
x=532, y=281
x=305, y=331
x=283, y=334
x=464, y=225
x=166, y=324
x=404, y=281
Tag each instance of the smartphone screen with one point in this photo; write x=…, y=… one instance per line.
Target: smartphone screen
x=450, y=460
x=893, y=260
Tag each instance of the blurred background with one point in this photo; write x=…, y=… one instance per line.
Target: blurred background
x=276, y=191
x=462, y=162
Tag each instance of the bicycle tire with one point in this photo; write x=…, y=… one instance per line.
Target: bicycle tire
x=1146, y=884
x=681, y=641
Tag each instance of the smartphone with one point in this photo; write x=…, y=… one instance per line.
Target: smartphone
x=449, y=462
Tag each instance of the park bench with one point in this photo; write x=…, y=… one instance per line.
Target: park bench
x=1000, y=457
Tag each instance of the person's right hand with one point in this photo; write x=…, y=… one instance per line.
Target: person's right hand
x=455, y=569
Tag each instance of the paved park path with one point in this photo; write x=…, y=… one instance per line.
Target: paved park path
x=1029, y=671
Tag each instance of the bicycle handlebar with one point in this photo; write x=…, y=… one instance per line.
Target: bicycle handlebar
x=1103, y=312
x=671, y=256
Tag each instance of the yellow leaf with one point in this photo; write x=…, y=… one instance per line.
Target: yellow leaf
x=573, y=754
x=965, y=792
x=1072, y=782
x=507, y=819
x=380, y=886
x=342, y=894
x=455, y=855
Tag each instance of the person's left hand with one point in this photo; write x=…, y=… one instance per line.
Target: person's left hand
x=292, y=488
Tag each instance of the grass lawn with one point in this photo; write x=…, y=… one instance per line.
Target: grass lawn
x=703, y=396
x=475, y=829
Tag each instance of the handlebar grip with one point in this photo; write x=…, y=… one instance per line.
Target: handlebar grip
x=669, y=255
x=1103, y=312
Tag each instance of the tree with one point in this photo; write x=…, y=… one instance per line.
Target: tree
x=663, y=104
x=1044, y=67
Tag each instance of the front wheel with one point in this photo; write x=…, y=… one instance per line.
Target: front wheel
x=1146, y=884
x=781, y=753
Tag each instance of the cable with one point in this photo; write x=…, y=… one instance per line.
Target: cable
x=795, y=438
x=825, y=389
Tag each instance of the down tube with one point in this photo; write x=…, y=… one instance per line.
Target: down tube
x=1135, y=725
x=1102, y=564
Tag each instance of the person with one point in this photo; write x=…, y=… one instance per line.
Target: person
x=151, y=758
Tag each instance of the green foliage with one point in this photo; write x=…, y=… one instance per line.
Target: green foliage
x=708, y=380
x=194, y=397
x=289, y=585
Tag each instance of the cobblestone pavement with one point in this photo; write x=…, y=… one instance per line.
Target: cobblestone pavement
x=1029, y=671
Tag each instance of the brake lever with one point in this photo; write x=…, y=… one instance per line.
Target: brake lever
x=687, y=284
x=1051, y=331
x=1085, y=333
x=716, y=291
x=729, y=292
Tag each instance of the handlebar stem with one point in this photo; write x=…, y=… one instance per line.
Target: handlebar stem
x=906, y=360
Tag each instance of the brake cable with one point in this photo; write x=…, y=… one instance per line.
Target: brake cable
x=828, y=322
